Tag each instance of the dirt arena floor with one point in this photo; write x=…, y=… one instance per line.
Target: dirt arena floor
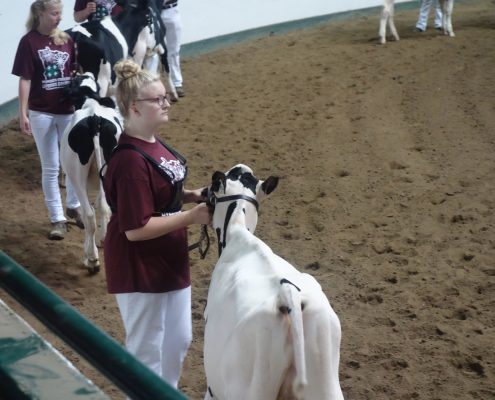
x=387, y=196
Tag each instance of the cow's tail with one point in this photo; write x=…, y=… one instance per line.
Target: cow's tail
x=290, y=303
x=98, y=156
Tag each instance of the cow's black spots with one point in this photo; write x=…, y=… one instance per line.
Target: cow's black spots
x=79, y=140
x=246, y=178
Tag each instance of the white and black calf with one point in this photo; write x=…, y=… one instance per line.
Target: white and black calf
x=270, y=331
x=387, y=17
x=86, y=144
x=137, y=32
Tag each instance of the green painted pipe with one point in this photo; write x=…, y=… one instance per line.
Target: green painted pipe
x=103, y=352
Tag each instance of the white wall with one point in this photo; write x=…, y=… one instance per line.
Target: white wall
x=202, y=19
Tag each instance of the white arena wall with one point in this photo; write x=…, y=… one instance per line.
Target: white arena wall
x=202, y=21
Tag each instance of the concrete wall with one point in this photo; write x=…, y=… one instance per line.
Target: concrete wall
x=201, y=20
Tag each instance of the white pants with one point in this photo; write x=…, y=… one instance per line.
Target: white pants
x=158, y=329
x=173, y=37
x=47, y=131
x=424, y=12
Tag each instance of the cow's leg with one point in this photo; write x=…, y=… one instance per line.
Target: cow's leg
x=391, y=25
x=91, y=259
x=447, y=9
x=78, y=174
x=387, y=16
x=105, y=213
x=322, y=334
x=382, y=31
x=261, y=373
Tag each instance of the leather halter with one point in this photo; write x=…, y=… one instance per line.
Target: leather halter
x=213, y=200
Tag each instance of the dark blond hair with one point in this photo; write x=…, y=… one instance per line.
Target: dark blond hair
x=37, y=7
x=131, y=80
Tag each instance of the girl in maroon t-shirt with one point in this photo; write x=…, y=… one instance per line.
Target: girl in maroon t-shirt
x=146, y=258
x=43, y=64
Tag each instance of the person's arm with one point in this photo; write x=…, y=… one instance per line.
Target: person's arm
x=83, y=15
x=159, y=226
x=24, y=88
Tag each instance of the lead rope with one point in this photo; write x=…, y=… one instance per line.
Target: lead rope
x=203, y=245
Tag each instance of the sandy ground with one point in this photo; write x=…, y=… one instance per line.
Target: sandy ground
x=387, y=197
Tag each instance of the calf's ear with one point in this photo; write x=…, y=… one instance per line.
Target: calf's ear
x=269, y=185
x=217, y=179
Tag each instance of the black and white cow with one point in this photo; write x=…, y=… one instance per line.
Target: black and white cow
x=270, y=331
x=86, y=144
x=137, y=32
x=387, y=17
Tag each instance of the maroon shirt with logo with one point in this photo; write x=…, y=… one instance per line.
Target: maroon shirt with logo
x=48, y=67
x=135, y=190
x=103, y=8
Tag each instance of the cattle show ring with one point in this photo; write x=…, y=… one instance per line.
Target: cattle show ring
x=382, y=156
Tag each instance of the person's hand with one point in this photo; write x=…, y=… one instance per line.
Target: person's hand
x=25, y=125
x=196, y=195
x=201, y=214
x=91, y=7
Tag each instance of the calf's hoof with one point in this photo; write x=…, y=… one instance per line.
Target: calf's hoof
x=93, y=266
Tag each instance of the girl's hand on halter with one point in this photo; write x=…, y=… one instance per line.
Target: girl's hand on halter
x=201, y=214
x=195, y=196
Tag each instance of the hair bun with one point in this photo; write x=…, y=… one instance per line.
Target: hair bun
x=126, y=69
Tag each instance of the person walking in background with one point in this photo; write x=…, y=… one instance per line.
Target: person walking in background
x=173, y=36
x=43, y=64
x=95, y=10
x=145, y=249
x=424, y=12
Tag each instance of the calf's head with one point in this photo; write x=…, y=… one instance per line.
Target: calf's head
x=235, y=197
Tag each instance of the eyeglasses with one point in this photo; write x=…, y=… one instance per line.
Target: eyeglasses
x=160, y=100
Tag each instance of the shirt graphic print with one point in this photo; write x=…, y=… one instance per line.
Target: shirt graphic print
x=174, y=169
x=53, y=62
x=104, y=8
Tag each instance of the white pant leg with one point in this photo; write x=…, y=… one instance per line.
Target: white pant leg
x=158, y=329
x=173, y=37
x=424, y=10
x=61, y=122
x=46, y=138
x=178, y=335
x=438, y=15
x=144, y=326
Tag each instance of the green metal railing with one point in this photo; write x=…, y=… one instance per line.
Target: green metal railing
x=103, y=352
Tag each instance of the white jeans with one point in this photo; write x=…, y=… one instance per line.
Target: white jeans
x=47, y=131
x=158, y=329
x=173, y=37
x=424, y=12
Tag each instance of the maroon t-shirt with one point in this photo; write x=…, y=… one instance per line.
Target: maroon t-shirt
x=48, y=67
x=135, y=191
x=103, y=8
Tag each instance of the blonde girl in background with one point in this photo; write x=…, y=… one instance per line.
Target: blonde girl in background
x=43, y=64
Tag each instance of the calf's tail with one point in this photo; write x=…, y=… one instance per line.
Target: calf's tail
x=290, y=304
